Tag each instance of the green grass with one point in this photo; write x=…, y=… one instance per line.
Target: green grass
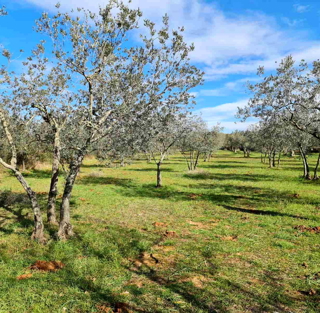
x=235, y=248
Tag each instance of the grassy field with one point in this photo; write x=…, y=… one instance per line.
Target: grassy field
x=234, y=236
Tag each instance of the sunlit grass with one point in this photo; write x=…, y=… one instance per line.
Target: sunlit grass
x=231, y=243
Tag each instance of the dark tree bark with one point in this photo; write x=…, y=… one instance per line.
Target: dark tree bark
x=306, y=169
x=274, y=159
x=271, y=156
x=159, y=178
x=65, y=227
x=196, y=161
x=315, y=173
x=38, y=232
x=279, y=158
x=53, y=191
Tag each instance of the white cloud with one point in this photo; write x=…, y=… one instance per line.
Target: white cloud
x=238, y=86
x=250, y=66
x=301, y=8
x=223, y=114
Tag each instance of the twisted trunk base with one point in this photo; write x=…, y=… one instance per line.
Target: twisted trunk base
x=65, y=226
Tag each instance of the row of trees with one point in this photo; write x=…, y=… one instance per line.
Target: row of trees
x=288, y=108
x=274, y=140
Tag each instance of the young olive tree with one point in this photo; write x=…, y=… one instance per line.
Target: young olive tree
x=193, y=144
x=214, y=139
x=199, y=141
x=163, y=135
x=115, y=79
x=234, y=141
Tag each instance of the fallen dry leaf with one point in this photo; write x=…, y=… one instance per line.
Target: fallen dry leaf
x=46, y=266
x=24, y=276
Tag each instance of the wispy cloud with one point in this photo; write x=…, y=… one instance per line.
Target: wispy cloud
x=301, y=8
x=224, y=115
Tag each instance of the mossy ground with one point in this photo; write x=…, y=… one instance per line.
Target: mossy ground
x=228, y=241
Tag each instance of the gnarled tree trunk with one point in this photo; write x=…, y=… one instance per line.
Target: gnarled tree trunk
x=196, y=161
x=53, y=191
x=315, y=173
x=274, y=159
x=306, y=169
x=65, y=227
x=279, y=158
x=38, y=231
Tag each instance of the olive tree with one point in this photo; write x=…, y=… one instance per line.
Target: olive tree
x=214, y=139
x=198, y=141
x=164, y=133
x=114, y=78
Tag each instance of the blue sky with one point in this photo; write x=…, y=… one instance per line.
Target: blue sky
x=232, y=38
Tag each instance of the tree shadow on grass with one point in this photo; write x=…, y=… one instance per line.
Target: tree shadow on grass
x=213, y=165
x=230, y=162
x=220, y=177
x=226, y=196
x=262, y=212
x=15, y=208
x=12, y=206
x=151, y=169
x=199, y=297
x=111, y=253
x=129, y=244
x=101, y=180
x=39, y=174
